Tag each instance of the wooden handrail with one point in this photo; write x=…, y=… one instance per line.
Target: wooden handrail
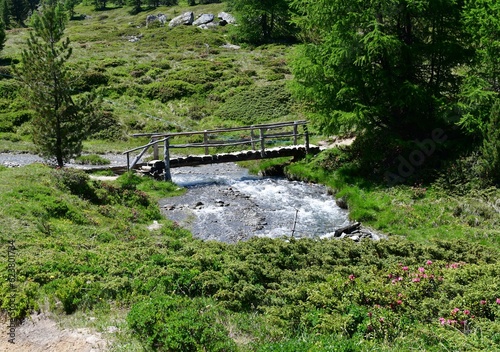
x=222, y=130
x=156, y=139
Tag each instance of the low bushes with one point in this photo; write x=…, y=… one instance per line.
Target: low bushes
x=175, y=323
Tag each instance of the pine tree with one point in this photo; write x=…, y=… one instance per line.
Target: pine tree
x=58, y=127
x=19, y=10
x=136, y=6
x=5, y=13
x=388, y=65
x=2, y=35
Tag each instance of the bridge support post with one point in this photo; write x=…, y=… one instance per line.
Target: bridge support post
x=252, y=137
x=306, y=139
x=295, y=132
x=167, y=176
x=205, y=141
x=155, y=149
x=262, y=143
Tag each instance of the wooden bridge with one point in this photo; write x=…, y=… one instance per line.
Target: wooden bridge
x=266, y=141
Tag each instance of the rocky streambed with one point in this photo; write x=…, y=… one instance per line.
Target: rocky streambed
x=224, y=203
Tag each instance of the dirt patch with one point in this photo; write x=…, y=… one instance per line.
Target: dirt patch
x=40, y=332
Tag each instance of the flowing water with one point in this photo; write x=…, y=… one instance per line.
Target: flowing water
x=223, y=202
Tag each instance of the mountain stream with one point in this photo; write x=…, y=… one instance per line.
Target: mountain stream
x=224, y=203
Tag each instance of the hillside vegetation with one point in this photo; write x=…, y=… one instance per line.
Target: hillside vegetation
x=169, y=80
x=85, y=248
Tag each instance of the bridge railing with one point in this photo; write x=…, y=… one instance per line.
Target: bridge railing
x=258, y=137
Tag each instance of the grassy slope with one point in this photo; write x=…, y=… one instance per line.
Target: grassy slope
x=137, y=80
x=83, y=248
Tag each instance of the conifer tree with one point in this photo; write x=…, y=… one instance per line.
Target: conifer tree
x=19, y=10
x=2, y=35
x=58, y=127
x=5, y=13
x=136, y=6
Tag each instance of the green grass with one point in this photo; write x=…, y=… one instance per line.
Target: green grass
x=83, y=250
x=92, y=159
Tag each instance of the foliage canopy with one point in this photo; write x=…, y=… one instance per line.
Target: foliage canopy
x=388, y=64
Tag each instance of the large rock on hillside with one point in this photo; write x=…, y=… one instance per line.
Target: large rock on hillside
x=204, y=19
x=228, y=18
x=186, y=18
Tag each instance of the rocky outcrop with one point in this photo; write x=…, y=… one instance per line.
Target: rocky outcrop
x=356, y=232
x=226, y=17
x=187, y=19
x=161, y=18
x=204, y=19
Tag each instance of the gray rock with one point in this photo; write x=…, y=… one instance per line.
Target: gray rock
x=230, y=46
x=341, y=203
x=153, y=18
x=187, y=18
x=204, y=19
x=208, y=25
x=224, y=16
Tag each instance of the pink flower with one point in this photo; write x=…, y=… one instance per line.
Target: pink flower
x=442, y=321
x=466, y=312
x=381, y=320
x=390, y=276
x=421, y=269
x=429, y=262
x=498, y=300
x=417, y=279
x=455, y=311
x=352, y=277
x=400, y=294
x=483, y=302
x=405, y=268
x=399, y=302
x=400, y=278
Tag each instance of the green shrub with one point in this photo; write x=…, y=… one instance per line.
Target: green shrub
x=9, y=121
x=257, y=104
x=91, y=159
x=75, y=181
x=106, y=127
x=165, y=91
x=129, y=180
x=9, y=136
x=9, y=89
x=91, y=79
x=113, y=62
x=176, y=323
